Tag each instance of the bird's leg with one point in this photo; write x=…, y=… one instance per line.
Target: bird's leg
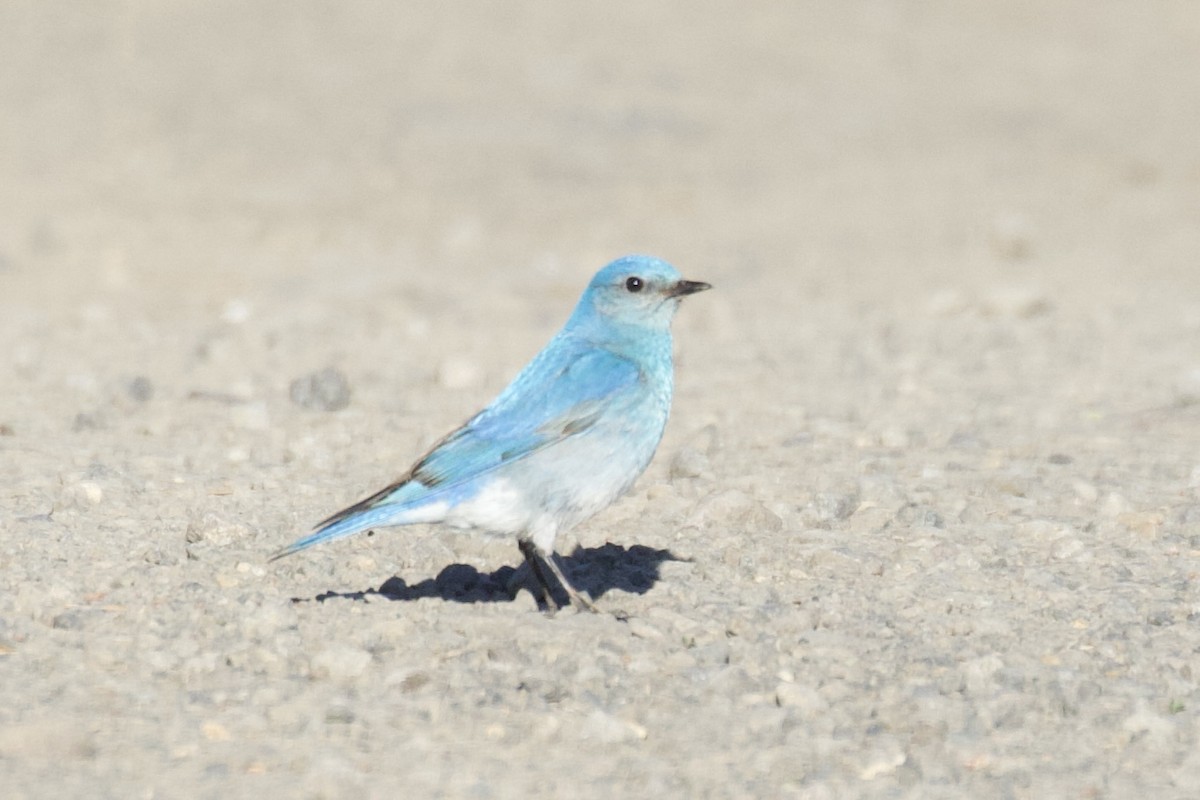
x=536, y=559
x=531, y=558
x=579, y=601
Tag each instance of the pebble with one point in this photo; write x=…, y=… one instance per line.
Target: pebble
x=89, y=421
x=688, y=462
x=736, y=507
x=1012, y=236
x=1187, y=386
x=215, y=732
x=459, y=373
x=643, y=629
x=1085, y=491
x=1068, y=547
x=236, y=311
x=1114, y=505
x=1145, y=721
x=885, y=756
x=216, y=530
x=82, y=495
x=325, y=390
x=827, y=508
x=978, y=674
x=870, y=518
x=72, y=620
x=139, y=389
x=804, y=699
x=605, y=728
x=1145, y=524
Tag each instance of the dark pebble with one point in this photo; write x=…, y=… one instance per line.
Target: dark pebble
x=326, y=390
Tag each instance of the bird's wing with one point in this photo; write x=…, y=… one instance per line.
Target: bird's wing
x=555, y=398
x=563, y=400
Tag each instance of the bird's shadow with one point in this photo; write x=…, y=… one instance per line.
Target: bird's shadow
x=593, y=570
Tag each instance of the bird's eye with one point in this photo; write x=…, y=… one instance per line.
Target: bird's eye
x=634, y=284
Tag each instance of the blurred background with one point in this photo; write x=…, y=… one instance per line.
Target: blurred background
x=181, y=152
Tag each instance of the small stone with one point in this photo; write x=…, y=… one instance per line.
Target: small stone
x=1012, y=236
x=215, y=732
x=1145, y=722
x=459, y=373
x=225, y=580
x=805, y=699
x=236, y=311
x=736, y=507
x=406, y=679
x=1144, y=523
x=643, y=630
x=91, y=491
x=339, y=714
x=324, y=390
x=608, y=729
x=81, y=495
x=237, y=455
x=88, y=421
x=978, y=675
x=161, y=558
x=870, y=518
x=68, y=621
x=1187, y=386
x=884, y=758
x=1115, y=504
x=1067, y=547
x=215, y=530
x=140, y=389
x=1085, y=491
x=921, y=516
x=829, y=507
x=688, y=462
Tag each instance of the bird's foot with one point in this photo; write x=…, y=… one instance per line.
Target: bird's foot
x=580, y=602
x=536, y=561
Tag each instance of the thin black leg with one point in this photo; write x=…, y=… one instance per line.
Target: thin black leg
x=534, y=561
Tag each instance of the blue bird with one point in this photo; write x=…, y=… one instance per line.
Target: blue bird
x=566, y=438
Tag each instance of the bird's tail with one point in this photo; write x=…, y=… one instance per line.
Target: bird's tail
x=357, y=519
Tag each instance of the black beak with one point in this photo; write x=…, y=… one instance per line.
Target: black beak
x=687, y=287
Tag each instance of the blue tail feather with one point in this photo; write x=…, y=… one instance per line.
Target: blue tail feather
x=376, y=517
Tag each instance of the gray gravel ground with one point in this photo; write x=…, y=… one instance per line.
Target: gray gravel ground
x=926, y=521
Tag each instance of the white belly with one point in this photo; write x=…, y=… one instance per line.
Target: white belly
x=565, y=483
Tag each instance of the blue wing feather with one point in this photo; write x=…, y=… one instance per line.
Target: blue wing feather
x=543, y=405
x=561, y=393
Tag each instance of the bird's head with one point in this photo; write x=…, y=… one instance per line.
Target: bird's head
x=637, y=291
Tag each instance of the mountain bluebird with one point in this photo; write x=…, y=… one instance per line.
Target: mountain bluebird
x=569, y=435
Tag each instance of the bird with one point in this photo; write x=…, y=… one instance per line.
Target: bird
x=568, y=436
